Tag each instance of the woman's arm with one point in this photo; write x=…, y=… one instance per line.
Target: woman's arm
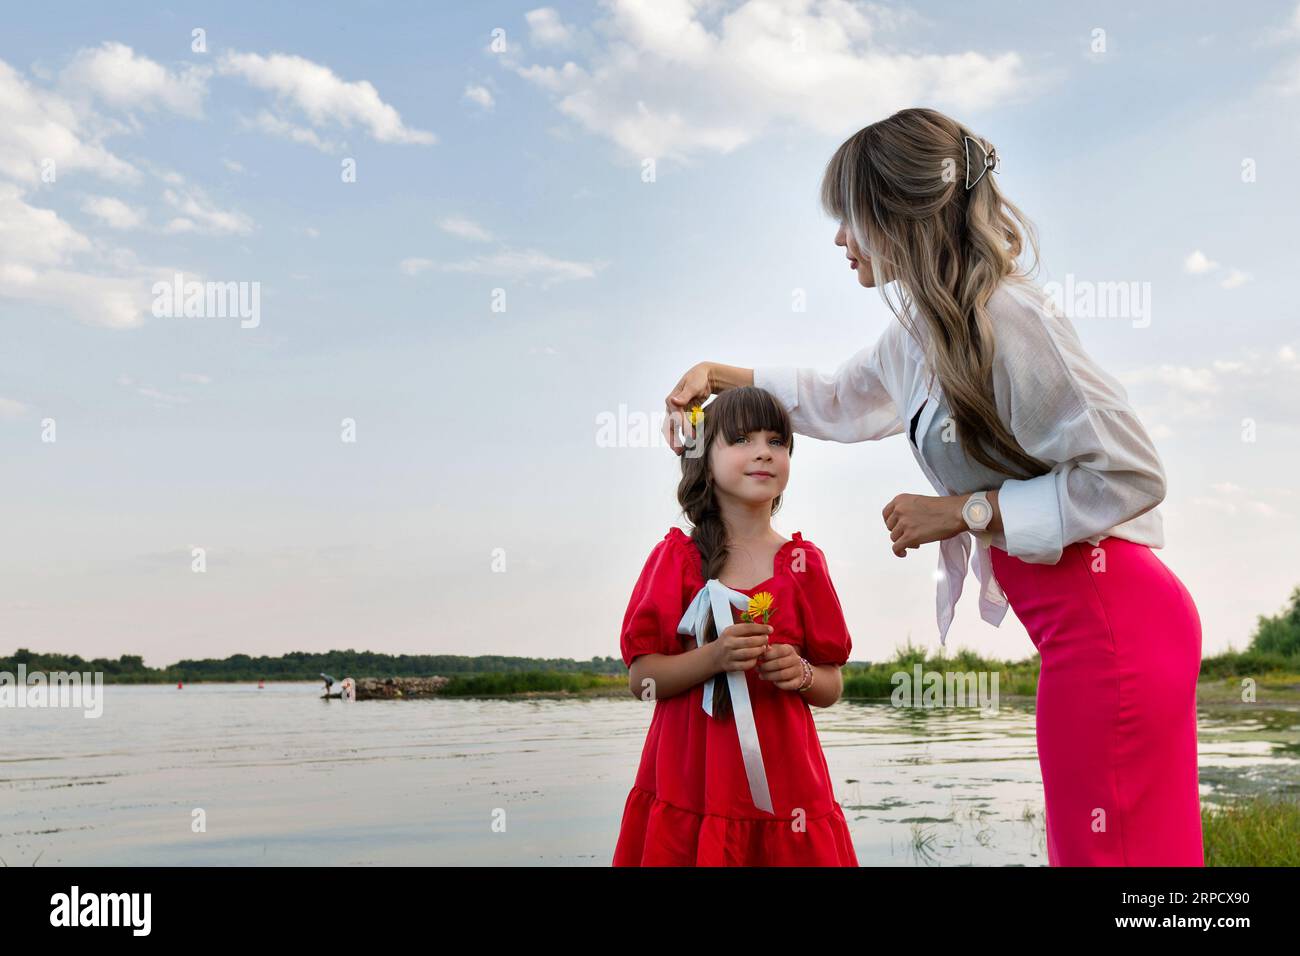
x=722, y=377
x=914, y=520
x=850, y=404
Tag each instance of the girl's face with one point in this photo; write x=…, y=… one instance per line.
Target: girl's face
x=753, y=468
x=859, y=261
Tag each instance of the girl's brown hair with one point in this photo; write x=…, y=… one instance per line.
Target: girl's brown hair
x=899, y=185
x=735, y=412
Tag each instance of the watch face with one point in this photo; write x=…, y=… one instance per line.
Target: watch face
x=977, y=513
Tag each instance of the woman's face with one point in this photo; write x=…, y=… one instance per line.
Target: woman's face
x=859, y=261
x=753, y=468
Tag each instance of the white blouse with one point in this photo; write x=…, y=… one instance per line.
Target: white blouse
x=1061, y=406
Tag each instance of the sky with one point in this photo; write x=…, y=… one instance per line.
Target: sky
x=468, y=236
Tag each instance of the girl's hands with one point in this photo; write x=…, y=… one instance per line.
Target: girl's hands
x=739, y=647
x=914, y=520
x=694, y=388
x=782, y=666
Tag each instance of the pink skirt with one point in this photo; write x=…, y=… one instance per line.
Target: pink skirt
x=1120, y=642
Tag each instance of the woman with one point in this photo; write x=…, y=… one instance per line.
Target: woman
x=1037, y=455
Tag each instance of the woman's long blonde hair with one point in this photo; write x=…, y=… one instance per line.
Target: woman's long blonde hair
x=899, y=186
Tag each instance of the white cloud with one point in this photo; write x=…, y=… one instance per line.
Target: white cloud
x=1286, y=78
x=34, y=237
x=196, y=377
x=1198, y=262
x=511, y=264
x=11, y=409
x=323, y=97
x=414, y=266
x=480, y=95
x=1235, y=278
x=45, y=262
x=233, y=165
x=1192, y=380
x=198, y=214
x=39, y=127
x=545, y=28
x=526, y=264
x=1233, y=499
x=113, y=212
x=114, y=74
x=464, y=228
x=1257, y=385
x=267, y=122
x=663, y=83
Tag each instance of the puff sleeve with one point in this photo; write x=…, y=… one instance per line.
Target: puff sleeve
x=657, y=604
x=826, y=633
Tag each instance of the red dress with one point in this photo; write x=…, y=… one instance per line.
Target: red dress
x=691, y=804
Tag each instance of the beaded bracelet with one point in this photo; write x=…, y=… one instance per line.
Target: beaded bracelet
x=807, y=676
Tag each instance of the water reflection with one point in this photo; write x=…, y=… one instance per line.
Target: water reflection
x=282, y=778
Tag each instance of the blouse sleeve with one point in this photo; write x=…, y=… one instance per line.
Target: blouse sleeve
x=656, y=606
x=826, y=634
x=1068, y=411
x=849, y=405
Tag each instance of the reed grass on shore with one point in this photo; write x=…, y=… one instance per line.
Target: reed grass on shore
x=1260, y=831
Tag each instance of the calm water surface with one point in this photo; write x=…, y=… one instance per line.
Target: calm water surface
x=285, y=778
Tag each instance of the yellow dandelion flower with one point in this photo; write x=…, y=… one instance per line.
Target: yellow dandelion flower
x=760, y=603
x=695, y=415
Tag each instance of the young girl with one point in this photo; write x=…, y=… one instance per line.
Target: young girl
x=732, y=772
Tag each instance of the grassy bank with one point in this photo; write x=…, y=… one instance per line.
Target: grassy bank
x=1261, y=831
x=534, y=683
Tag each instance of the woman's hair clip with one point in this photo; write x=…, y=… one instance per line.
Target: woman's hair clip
x=990, y=160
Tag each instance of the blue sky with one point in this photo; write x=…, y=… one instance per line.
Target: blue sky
x=492, y=174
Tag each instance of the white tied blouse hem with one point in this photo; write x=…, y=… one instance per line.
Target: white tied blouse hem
x=1063, y=408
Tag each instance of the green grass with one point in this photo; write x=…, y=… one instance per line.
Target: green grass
x=875, y=681
x=1260, y=831
x=495, y=685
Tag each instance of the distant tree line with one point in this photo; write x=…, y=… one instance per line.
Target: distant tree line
x=300, y=665
x=1274, y=646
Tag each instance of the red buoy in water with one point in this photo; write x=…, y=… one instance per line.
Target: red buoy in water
x=261, y=685
x=180, y=686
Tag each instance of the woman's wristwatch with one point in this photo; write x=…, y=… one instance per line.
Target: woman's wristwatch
x=807, y=676
x=977, y=513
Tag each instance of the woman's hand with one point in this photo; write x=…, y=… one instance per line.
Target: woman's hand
x=914, y=520
x=739, y=646
x=782, y=666
x=694, y=388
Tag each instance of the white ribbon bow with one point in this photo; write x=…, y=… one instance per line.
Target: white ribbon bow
x=717, y=597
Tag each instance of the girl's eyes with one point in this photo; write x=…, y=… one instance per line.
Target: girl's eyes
x=740, y=438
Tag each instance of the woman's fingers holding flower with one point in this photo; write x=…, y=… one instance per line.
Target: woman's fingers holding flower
x=691, y=389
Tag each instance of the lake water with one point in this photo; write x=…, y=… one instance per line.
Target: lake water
x=285, y=778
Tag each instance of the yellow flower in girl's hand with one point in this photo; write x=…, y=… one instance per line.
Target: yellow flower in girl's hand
x=760, y=603
x=695, y=415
